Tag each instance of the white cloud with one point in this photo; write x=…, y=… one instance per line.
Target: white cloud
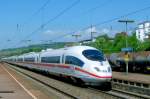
x=56, y=35
x=109, y=32
x=105, y=30
x=86, y=34
x=48, y=32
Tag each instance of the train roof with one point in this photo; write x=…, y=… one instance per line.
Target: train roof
x=31, y=54
x=79, y=48
x=76, y=49
x=72, y=49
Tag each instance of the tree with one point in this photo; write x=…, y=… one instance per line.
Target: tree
x=133, y=41
x=119, y=41
x=109, y=45
x=103, y=43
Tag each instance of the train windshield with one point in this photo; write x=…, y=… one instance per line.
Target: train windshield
x=94, y=55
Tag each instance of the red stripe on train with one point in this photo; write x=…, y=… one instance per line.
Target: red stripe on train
x=81, y=70
x=65, y=66
x=51, y=65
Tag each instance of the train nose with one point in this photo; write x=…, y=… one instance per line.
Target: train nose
x=102, y=67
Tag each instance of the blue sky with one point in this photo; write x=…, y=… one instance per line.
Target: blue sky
x=76, y=19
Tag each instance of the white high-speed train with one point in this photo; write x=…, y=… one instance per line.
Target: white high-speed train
x=80, y=63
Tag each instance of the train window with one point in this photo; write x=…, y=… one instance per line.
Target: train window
x=94, y=55
x=20, y=59
x=53, y=59
x=73, y=60
x=29, y=59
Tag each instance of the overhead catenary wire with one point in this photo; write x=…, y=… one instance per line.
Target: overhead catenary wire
x=98, y=6
x=29, y=19
x=43, y=25
x=51, y=20
x=35, y=13
x=107, y=21
x=103, y=22
x=89, y=10
x=94, y=8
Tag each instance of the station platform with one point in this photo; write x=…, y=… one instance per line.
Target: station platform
x=133, y=77
x=10, y=88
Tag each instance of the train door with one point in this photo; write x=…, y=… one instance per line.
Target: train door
x=69, y=62
x=62, y=61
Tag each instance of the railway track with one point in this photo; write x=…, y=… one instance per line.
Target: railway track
x=74, y=92
x=123, y=94
x=131, y=95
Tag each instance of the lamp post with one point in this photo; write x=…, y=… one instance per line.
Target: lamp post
x=126, y=54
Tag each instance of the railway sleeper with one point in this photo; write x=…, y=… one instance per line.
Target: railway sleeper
x=136, y=84
x=131, y=86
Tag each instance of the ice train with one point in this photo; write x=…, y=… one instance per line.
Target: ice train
x=79, y=63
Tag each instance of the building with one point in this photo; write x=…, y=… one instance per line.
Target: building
x=143, y=31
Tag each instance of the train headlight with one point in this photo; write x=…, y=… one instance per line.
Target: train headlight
x=97, y=69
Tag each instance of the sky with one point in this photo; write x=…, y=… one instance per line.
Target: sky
x=26, y=22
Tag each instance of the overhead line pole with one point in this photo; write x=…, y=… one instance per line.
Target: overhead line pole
x=108, y=21
x=126, y=53
x=76, y=36
x=52, y=19
x=126, y=28
x=92, y=32
x=104, y=22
